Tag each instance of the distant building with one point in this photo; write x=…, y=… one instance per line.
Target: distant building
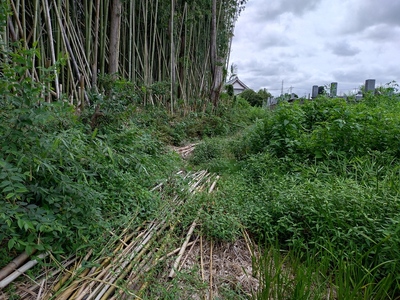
x=238, y=85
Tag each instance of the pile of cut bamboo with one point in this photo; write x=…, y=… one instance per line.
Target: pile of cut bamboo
x=185, y=151
x=120, y=270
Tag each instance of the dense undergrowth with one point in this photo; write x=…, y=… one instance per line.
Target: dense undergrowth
x=62, y=184
x=68, y=176
x=319, y=179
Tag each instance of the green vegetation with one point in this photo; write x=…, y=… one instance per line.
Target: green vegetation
x=319, y=180
x=315, y=183
x=255, y=99
x=68, y=176
x=181, y=45
x=63, y=183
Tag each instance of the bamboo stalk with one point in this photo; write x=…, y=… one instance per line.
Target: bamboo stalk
x=172, y=91
x=72, y=287
x=61, y=282
x=183, y=248
x=201, y=261
x=79, y=294
x=41, y=281
x=188, y=253
x=13, y=34
x=16, y=14
x=213, y=185
x=211, y=270
x=13, y=265
x=135, y=254
x=96, y=47
x=65, y=295
x=51, y=42
x=39, y=295
x=143, y=265
x=67, y=44
x=10, y=278
x=121, y=262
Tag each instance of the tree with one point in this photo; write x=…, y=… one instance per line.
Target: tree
x=216, y=61
x=255, y=99
x=115, y=27
x=252, y=97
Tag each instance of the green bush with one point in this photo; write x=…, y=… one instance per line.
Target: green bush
x=322, y=178
x=62, y=183
x=327, y=127
x=252, y=97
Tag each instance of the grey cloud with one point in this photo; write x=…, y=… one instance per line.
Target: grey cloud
x=371, y=12
x=343, y=48
x=381, y=33
x=349, y=76
x=273, y=39
x=289, y=55
x=353, y=78
x=266, y=74
x=266, y=68
x=273, y=9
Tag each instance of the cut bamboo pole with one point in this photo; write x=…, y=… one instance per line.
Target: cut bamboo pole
x=183, y=248
x=211, y=272
x=13, y=265
x=106, y=262
x=188, y=253
x=202, y=264
x=10, y=278
x=213, y=185
x=122, y=263
x=41, y=280
x=71, y=288
x=135, y=255
x=39, y=295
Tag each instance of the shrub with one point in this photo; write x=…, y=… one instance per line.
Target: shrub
x=63, y=185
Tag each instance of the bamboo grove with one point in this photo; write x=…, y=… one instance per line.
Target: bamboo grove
x=167, y=49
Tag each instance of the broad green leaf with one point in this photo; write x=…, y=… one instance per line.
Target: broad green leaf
x=10, y=195
x=11, y=244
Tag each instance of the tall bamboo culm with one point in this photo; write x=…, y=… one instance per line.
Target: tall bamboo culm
x=165, y=41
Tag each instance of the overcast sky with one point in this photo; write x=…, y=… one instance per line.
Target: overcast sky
x=316, y=42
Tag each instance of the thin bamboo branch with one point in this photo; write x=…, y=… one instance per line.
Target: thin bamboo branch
x=39, y=295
